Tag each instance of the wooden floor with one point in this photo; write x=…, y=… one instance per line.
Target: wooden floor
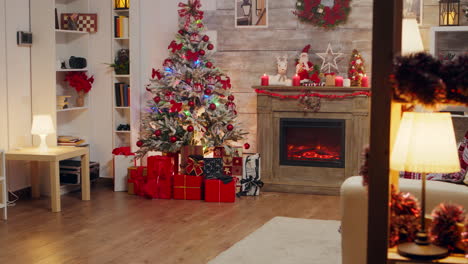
x=118, y=228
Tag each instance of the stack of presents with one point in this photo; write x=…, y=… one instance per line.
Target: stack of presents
x=218, y=179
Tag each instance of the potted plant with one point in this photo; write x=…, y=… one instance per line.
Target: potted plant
x=82, y=84
x=121, y=63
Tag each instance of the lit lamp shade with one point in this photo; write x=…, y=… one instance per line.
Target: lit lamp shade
x=425, y=143
x=411, y=41
x=42, y=125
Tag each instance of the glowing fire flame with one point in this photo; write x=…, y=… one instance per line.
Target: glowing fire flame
x=319, y=152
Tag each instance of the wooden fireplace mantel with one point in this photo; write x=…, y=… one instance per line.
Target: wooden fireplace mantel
x=316, y=180
x=312, y=88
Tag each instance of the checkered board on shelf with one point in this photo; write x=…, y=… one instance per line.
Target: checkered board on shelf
x=85, y=22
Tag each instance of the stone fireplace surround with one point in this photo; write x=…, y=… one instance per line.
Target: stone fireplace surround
x=306, y=179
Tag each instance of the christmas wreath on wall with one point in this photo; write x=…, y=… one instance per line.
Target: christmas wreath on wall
x=323, y=13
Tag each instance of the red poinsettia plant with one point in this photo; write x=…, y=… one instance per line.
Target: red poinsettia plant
x=80, y=81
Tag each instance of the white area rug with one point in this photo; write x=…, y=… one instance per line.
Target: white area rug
x=285, y=240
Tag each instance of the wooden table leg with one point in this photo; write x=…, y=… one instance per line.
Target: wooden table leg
x=35, y=180
x=85, y=184
x=55, y=186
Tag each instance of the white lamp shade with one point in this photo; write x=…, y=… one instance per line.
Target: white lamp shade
x=425, y=143
x=42, y=125
x=411, y=41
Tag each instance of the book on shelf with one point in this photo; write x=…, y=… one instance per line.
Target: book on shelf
x=121, y=27
x=122, y=94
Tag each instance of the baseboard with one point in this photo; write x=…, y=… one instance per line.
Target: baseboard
x=320, y=190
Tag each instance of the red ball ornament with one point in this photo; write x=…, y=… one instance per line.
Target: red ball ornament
x=209, y=64
x=173, y=139
x=230, y=127
x=202, y=52
x=181, y=32
x=190, y=128
x=157, y=99
x=235, y=112
x=210, y=46
x=212, y=107
x=139, y=143
x=188, y=81
x=157, y=133
x=206, y=38
x=168, y=93
x=208, y=91
x=246, y=145
x=218, y=78
x=231, y=98
x=191, y=103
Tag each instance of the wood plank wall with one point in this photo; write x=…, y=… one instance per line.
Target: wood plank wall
x=245, y=54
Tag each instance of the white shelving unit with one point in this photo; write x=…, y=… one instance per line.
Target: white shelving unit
x=3, y=189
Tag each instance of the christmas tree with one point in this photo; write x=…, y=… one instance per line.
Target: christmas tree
x=356, y=68
x=192, y=102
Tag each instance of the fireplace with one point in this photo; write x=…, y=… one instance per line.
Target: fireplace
x=312, y=142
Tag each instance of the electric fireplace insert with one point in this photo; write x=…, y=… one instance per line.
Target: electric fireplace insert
x=312, y=142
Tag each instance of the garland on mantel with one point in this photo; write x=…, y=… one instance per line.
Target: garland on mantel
x=311, y=101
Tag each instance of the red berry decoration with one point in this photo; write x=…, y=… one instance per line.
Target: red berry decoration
x=157, y=133
x=168, y=93
x=139, y=143
x=231, y=98
x=157, y=99
x=230, y=127
x=202, y=52
x=208, y=91
x=190, y=128
x=205, y=38
x=173, y=139
x=210, y=46
x=209, y=64
x=212, y=107
x=191, y=103
x=246, y=145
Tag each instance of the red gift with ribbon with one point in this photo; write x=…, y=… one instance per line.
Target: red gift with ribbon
x=136, y=179
x=188, y=187
x=195, y=167
x=159, y=182
x=216, y=191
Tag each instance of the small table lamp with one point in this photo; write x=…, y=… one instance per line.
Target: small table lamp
x=42, y=125
x=425, y=143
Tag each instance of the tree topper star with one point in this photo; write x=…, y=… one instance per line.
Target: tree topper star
x=329, y=59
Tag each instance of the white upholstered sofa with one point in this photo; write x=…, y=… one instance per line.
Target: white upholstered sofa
x=354, y=210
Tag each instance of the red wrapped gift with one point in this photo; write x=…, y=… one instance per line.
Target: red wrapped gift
x=160, y=171
x=195, y=167
x=227, y=170
x=159, y=166
x=218, y=152
x=136, y=179
x=218, y=192
x=188, y=187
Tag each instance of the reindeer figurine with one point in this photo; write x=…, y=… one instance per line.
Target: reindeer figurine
x=281, y=78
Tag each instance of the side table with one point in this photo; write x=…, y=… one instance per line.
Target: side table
x=53, y=156
x=393, y=257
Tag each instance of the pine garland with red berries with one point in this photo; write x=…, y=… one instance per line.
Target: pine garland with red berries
x=323, y=16
x=192, y=102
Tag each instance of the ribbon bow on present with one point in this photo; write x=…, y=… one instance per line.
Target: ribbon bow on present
x=189, y=10
x=250, y=183
x=195, y=166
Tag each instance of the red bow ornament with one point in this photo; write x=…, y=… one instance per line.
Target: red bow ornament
x=226, y=83
x=176, y=107
x=174, y=46
x=191, y=56
x=195, y=167
x=189, y=11
x=156, y=73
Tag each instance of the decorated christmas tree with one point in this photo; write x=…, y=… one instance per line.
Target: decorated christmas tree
x=192, y=102
x=356, y=68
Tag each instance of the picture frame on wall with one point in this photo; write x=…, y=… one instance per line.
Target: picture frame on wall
x=251, y=13
x=413, y=9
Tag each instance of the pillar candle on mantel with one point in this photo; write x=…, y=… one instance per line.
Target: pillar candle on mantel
x=296, y=81
x=364, y=81
x=347, y=82
x=339, y=81
x=265, y=80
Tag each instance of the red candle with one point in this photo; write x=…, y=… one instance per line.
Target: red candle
x=265, y=80
x=296, y=81
x=339, y=81
x=364, y=81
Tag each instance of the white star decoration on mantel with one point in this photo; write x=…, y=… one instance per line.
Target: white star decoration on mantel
x=329, y=59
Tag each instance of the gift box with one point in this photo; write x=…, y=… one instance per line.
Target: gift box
x=187, y=187
x=218, y=152
x=237, y=166
x=136, y=178
x=217, y=191
x=186, y=152
x=195, y=165
x=159, y=182
x=251, y=183
x=213, y=168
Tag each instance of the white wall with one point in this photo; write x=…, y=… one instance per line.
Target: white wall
x=15, y=87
